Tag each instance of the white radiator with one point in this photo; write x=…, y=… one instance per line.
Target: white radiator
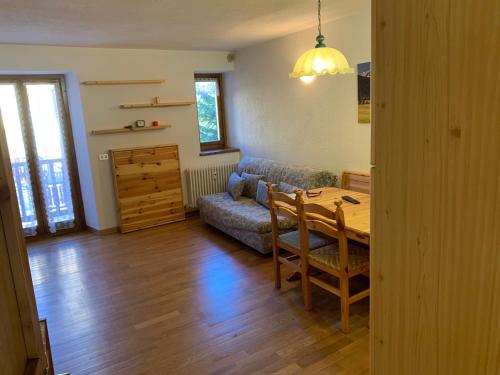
x=207, y=180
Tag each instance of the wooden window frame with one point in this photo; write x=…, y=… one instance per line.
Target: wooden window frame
x=80, y=223
x=221, y=144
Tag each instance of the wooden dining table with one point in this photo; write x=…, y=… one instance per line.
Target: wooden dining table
x=357, y=216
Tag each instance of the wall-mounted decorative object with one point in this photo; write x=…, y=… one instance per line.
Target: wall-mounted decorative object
x=320, y=60
x=154, y=124
x=364, y=93
x=140, y=124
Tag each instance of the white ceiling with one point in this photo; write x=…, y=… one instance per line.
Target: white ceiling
x=161, y=24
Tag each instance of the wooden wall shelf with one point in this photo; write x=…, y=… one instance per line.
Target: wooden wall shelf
x=153, y=105
x=157, y=103
x=125, y=82
x=129, y=130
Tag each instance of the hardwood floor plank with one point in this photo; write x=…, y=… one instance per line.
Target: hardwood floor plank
x=184, y=299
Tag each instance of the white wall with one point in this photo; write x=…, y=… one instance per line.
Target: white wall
x=83, y=158
x=98, y=107
x=272, y=116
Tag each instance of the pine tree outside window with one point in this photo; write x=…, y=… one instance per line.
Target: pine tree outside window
x=209, y=99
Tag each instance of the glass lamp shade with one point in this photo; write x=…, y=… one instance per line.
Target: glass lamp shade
x=321, y=61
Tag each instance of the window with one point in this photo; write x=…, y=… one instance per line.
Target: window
x=209, y=99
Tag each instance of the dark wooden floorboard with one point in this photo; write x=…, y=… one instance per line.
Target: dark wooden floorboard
x=184, y=299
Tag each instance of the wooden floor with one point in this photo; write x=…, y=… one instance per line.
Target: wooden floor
x=184, y=299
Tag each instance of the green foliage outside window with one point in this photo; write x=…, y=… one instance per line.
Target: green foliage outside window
x=206, y=97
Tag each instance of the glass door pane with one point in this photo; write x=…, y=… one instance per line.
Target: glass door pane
x=11, y=115
x=47, y=120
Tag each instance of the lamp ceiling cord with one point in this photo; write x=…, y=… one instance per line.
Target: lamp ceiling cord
x=319, y=17
x=320, y=38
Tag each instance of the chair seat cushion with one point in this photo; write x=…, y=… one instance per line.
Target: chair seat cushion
x=245, y=213
x=329, y=256
x=315, y=240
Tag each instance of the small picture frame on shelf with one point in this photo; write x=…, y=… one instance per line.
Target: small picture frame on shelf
x=140, y=124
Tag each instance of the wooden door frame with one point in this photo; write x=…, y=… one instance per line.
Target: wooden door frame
x=76, y=194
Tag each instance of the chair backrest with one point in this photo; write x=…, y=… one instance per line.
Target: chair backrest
x=321, y=219
x=356, y=181
x=280, y=204
x=318, y=218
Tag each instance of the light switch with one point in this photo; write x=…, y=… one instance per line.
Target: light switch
x=103, y=156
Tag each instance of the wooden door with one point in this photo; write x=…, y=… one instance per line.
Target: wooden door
x=148, y=186
x=436, y=236
x=21, y=347
x=11, y=333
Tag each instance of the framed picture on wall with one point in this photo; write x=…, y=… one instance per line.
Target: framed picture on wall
x=364, y=93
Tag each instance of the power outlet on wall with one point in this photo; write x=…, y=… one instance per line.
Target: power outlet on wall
x=103, y=156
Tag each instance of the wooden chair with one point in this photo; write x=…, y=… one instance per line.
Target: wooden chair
x=281, y=204
x=356, y=181
x=340, y=259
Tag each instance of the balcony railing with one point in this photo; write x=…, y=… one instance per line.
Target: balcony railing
x=56, y=193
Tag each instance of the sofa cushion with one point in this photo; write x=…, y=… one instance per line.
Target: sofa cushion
x=307, y=178
x=287, y=188
x=245, y=214
x=271, y=169
x=275, y=171
x=235, y=186
x=251, y=181
x=262, y=195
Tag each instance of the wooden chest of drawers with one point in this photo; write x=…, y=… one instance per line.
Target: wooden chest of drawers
x=148, y=186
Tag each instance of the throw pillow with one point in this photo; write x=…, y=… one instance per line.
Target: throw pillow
x=262, y=196
x=287, y=188
x=251, y=181
x=235, y=186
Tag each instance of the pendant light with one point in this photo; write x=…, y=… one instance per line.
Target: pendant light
x=320, y=60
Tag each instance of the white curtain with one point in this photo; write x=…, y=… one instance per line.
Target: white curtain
x=48, y=128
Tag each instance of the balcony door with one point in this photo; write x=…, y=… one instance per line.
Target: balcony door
x=35, y=118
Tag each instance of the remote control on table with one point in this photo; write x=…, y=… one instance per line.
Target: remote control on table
x=350, y=199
